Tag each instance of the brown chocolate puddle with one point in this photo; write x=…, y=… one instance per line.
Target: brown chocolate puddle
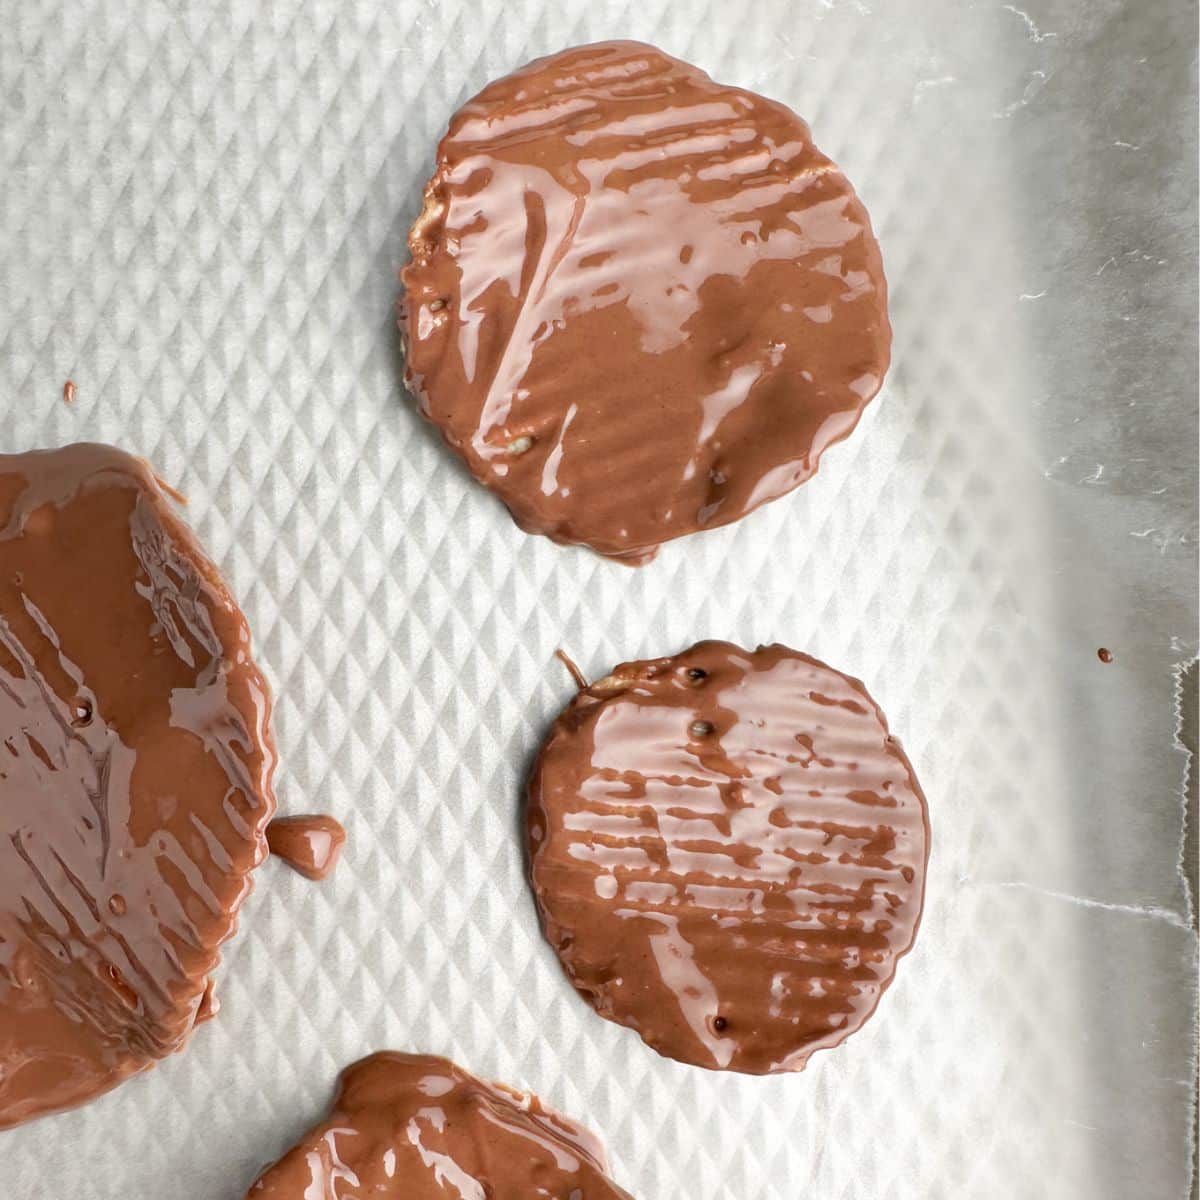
x=728, y=853
x=416, y=1127
x=640, y=303
x=135, y=775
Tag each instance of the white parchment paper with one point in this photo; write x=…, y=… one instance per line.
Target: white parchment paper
x=202, y=210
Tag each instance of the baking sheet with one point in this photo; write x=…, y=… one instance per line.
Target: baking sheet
x=202, y=209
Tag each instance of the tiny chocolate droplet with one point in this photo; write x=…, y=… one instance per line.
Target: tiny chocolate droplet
x=697, y=673
x=701, y=728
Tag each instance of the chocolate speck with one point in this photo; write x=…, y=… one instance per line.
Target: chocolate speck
x=68, y=392
x=81, y=712
x=1104, y=654
x=701, y=728
x=695, y=674
x=720, y=1024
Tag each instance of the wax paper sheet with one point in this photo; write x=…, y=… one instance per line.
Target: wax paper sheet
x=202, y=211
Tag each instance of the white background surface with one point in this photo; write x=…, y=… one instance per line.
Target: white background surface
x=202, y=210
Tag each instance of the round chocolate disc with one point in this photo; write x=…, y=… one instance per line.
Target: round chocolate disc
x=728, y=853
x=135, y=775
x=640, y=303
x=416, y=1127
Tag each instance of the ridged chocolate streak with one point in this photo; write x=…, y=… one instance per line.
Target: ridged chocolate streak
x=135, y=775
x=415, y=1127
x=728, y=853
x=640, y=303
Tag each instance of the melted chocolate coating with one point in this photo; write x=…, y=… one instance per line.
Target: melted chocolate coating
x=135, y=775
x=415, y=1127
x=311, y=845
x=728, y=853
x=640, y=303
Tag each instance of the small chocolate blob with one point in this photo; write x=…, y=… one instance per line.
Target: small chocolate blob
x=310, y=845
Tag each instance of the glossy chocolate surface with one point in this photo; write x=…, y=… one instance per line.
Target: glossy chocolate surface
x=640, y=303
x=416, y=1127
x=311, y=845
x=135, y=775
x=728, y=853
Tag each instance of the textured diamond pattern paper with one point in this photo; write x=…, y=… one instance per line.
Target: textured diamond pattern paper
x=202, y=211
